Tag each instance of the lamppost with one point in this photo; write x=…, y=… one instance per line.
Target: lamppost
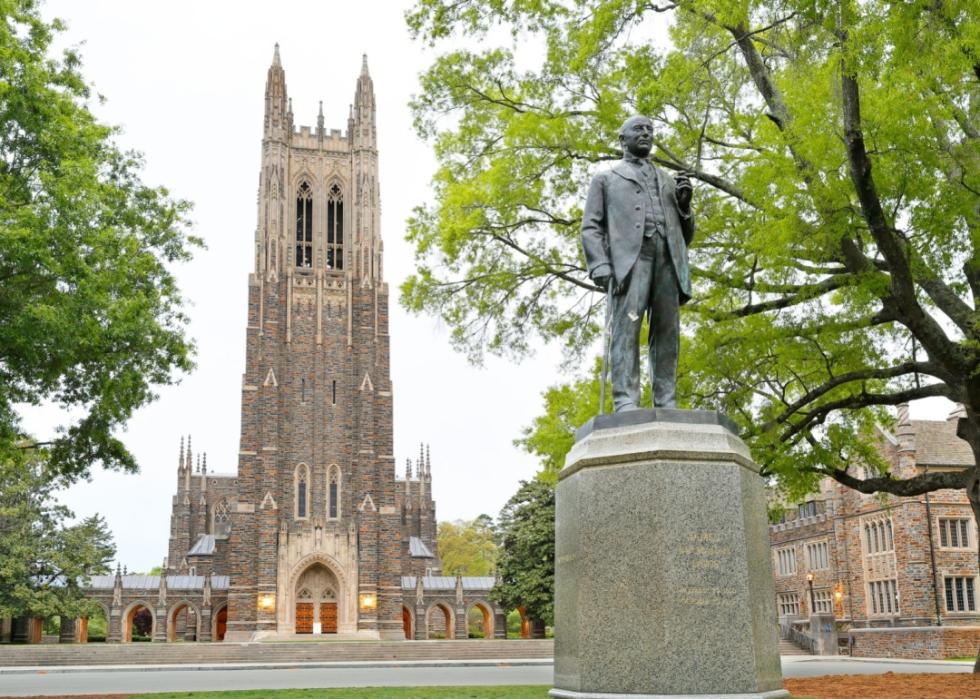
x=809, y=581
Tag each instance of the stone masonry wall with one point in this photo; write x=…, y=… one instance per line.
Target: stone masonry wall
x=930, y=642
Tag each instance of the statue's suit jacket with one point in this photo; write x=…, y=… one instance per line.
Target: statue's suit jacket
x=613, y=220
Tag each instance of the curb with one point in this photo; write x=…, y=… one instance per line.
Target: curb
x=68, y=669
x=893, y=661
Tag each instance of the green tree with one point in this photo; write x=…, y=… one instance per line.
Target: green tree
x=90, y=313
x=467, y=547
x=526, y=559
x=44, y=559
x=834, y=148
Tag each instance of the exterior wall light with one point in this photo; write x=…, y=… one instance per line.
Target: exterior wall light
x=267, y=601
x=368, y=601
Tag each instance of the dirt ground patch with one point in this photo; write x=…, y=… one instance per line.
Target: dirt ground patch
x=888, y=686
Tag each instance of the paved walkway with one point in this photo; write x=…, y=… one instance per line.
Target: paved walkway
x=76, y=680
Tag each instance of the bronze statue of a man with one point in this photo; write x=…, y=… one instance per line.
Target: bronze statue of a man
x=636, y=228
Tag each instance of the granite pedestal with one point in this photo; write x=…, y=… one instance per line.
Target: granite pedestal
x=663, y=581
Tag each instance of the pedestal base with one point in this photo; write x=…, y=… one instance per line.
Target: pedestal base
x=663, y=580
x=566, y=694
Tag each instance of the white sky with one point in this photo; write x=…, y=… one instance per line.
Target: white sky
x=186, y=81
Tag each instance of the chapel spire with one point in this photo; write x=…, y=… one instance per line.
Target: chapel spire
x=278, y=122
x=365, y=110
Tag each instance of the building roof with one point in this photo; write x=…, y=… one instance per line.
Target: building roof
x=203, y=547
x=936, y=444
x=418, y=549
x=152, y=582
x=448, y=582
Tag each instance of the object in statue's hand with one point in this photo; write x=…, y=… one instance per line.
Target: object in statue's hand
x=684, y=190
x=602, y=281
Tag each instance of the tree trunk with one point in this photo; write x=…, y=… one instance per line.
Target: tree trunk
x=973, y=493
x=968, y=431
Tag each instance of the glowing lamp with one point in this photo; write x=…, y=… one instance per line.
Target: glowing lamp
x=267, y=601
x=368, y=600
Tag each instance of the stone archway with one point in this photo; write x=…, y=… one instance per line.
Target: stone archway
x=220, y=624
x=408, y=624
x=130, y=616
x=484, y=618
x=95, y=627
x=525, y=623
x=183, y=617
x=439, y=622
x=316, y=593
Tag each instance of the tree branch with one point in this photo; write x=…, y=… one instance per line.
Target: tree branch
x=850, y=377
x=863, y=400
x=905, y=487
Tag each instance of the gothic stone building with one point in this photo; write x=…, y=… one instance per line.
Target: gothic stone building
x=900, y=573
x=314, y=533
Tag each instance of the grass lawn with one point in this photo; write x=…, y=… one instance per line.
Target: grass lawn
x=523, y=692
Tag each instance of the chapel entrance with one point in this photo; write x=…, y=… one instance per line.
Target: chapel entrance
x=316, y=601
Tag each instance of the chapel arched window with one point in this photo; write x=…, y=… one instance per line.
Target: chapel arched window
x=335, y=227
x=302, y=481
x=304, y=226
x=333, y=493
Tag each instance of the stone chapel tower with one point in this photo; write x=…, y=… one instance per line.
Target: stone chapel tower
x=315, y=536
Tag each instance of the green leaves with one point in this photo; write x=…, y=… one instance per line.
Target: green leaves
x=837, y=173
x=467, y=547
x=90, y=313
x=44, y=558
x=526, y=560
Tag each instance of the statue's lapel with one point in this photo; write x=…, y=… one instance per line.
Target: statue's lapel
x=626, y=171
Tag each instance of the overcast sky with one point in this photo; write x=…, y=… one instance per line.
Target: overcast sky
x=186, y=81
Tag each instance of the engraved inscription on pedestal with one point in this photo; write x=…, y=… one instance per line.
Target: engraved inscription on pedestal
x=662, y=577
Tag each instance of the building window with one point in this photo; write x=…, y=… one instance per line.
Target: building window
x=883, y=596
x=789, y=605
x=335, y=228
x=786, y=561
x=302, y=479
x=954, y=533
x=220, y=523
x=817, y=556
x=333, y=493
x=807, y=509
x=334, y=392
x=823, y=601
x=878, y=536
x=961, y=595
x=304, y=226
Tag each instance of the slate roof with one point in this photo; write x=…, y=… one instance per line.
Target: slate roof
x=448, y=582
x=152, y=582
x=936, y=444
x=418, y=549
x=203, y=547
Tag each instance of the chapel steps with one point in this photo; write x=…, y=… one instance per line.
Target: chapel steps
x=297, y=651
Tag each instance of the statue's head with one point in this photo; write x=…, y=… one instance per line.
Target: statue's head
x=636, y=136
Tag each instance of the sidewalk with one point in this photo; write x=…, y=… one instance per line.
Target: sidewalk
x=290, y=665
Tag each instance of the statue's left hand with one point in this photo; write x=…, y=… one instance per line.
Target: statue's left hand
x=684, y=191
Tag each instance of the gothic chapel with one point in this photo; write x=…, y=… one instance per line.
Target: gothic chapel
x=315, y=534
x=314, y=538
